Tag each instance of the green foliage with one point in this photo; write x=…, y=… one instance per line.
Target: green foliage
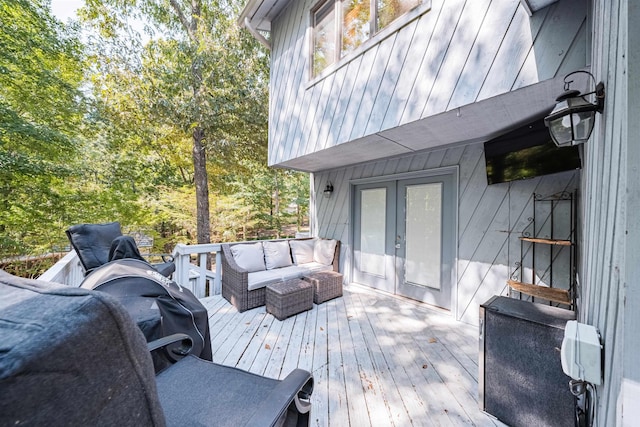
x=200, y=77
x=104, y=130
x=41, y=113
x=261, y=202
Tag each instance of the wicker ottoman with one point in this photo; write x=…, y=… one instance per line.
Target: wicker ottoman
x=326, y=285
x=284, y=299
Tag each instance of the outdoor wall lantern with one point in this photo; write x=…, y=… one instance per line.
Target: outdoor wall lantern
x=573, y=117
x=328, y=190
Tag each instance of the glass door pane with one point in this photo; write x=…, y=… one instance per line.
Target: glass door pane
x=374, y=221
x=423, y=219
x=372, y=231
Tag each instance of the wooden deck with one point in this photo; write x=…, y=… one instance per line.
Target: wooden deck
x=377, y=360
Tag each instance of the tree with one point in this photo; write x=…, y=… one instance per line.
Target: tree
x=41, y=119
x=199, y=75
x=270, y=199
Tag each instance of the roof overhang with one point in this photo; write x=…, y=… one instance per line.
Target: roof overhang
x=472, y=123
x=260, y=13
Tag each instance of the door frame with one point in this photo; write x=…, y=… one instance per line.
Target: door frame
x=454, y=172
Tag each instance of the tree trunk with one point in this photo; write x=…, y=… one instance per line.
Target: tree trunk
x=199, y=151
x=202, y=186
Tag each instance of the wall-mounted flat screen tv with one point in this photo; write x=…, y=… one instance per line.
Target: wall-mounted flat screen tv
x=527, y=152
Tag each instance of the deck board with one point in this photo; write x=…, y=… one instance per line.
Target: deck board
x=320, y=396
x=377, y=360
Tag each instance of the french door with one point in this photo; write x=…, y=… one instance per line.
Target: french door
x=404, y=237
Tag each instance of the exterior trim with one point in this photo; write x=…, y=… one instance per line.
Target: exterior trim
x=263, y=41
x=408, y=175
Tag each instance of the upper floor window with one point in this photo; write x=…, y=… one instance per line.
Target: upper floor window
x=341, y=26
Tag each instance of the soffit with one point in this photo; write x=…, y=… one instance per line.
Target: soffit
x=472, y=123
x=262, y=12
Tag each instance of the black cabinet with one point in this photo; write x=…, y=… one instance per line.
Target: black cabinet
x=521, y=380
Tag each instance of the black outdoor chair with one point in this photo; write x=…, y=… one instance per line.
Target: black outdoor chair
x=97, y=244
x=72, y=356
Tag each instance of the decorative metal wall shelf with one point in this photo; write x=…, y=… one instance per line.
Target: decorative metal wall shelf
x=546, y=271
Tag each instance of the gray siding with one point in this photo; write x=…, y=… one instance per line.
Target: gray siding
x=610, y=270
x=457, y=53
x=490, y=218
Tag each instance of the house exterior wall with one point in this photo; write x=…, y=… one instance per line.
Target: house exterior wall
x=457, y=53
x=462, y=52
x=610, y=267
x=490, y=217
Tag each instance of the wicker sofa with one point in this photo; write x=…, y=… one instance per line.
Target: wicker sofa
x=246, y=271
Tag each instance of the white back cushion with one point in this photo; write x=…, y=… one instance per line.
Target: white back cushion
x=277, y=254
x=249, y=256
x=324, y=250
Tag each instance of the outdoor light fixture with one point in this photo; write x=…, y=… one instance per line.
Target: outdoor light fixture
x=328, y=190
x=572, y=119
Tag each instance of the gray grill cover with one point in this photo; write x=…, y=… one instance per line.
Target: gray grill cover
x=157, y=304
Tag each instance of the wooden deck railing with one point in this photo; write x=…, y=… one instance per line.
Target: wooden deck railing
x=195, y=276
x=202, y=281
x=67, y=271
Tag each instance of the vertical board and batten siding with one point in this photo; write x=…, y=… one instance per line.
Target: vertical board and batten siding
x=610, y=268
x=490, y=218
x=457, y=53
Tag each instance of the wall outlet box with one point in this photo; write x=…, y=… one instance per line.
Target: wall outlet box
x=581, y=352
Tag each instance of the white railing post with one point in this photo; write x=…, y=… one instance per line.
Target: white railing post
x=202, y=278
x=217, y=281
x=181, y=260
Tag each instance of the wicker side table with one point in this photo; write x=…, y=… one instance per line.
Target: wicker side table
x=326, y=285
x=284, y=299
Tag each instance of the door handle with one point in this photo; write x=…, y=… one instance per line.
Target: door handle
x=397, y=245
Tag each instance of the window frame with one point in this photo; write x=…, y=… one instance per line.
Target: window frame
x=375, y=36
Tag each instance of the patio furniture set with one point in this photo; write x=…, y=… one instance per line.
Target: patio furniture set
x=288, y=276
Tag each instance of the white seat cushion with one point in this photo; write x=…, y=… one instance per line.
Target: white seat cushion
x=312, y=267
x=260, y=279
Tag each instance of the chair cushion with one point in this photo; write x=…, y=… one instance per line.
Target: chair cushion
x=226, y=395
x=324, y=250
x=71, y=356
x=249, y=256
x=92, y=242
x=277, y=254
x=302, y=250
